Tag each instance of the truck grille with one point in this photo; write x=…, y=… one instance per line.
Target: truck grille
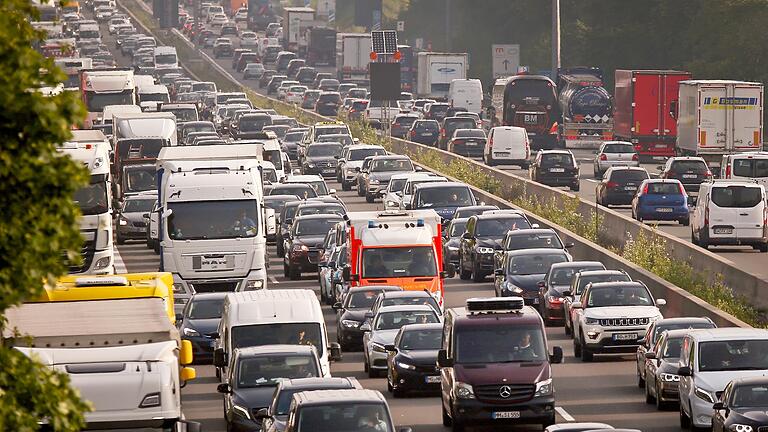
x=215, y=286
x=624, y=322
x=505, y=392
x=87, y=252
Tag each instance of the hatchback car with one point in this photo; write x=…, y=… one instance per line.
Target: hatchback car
x=690, y=171
x=555, y=283
x=615, y=153
x=555, y=168
x=402, y=124
x=328, y=103
x=521, y=271
x=130, y=219
x=424, y=132
x=468, y=142
x=661, y=200
x=351, y=313
x=619, y=185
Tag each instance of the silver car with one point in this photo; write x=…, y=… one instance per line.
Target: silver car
x=613, y=154
x=130, y=219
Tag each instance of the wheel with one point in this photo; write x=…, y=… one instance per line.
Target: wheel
x=294, y=273
x=549, y=422
x=156, y=246
x=685, y=420
x=345, y=186
x=369, y=198
x=703, y=240
x=575, y=187
x=586, y=355
x=685, y=222
x=464, y=274
x=360, y=190
x=477, y=275
x=398, y=392
x=372, y=373
x=763, y=247
x=660, y=405
x=389, y=384
x=640, y=380
x=576, y=348
x=323, y=297
x=525, y=165
x=693, y=239
x=149, y=243
x=230, y=428
x=280, y=248
x=286, y=272
x=458, y=426
x=649, y=399
x=447, y=421
x=489, y=161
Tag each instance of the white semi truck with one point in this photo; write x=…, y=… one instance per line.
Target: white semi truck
x=91, y=148
x=102, y=87
x=123, y=355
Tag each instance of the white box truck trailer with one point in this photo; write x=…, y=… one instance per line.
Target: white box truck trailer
x=353, y=53
x=437, y=70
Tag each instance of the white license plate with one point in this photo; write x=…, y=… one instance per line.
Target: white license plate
x=471, y=143
x=328, y=171
x=557, y=170
x=625, y=336
x=426, y=134
x=689, y=175
x=432, y=379
x=501, y=154
x=664, y=210
x=506, y=415
x=660, y=146
x=723, y=230
x=630, y=188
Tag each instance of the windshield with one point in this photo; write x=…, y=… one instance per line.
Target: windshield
x=411, y=300
x=319, y=187
x=397, y=185
x=163, y=59
x=737, y=196
x=323, y=209
x=302, y=191
x=672, y=348
x=659, y=329
x=520, y=241
x=95, y=102
x=154, y=97
x=346, y=417
x=184, y=114
x=412, y=185
x=399, y=262
x=733, y=355
x=384, y=165
x=360, y=154
x=292, y=137
x=92, y=198
x=457, y=228
x=586, y=280
x=269, y=175
x=499, y=227
x=208, y=220
x=421, y=339
x=534, y=263
x=344, y=140
x=553, y=159
x=396, y=319
x=362, y=299
x=273, y=156
x=323, y=150
x=138, y=205
x=140, y=179
x=205, y=309
x=457, y=196
x=277, y=203
x=268, y=370
x=619, y=296
x=204, y=87
x=254, y=123
x=331, y=130
x=749, y=395
x=199, y=127
x=314, y=227
x=500, y=344
x=307, y=333
x=752, y=168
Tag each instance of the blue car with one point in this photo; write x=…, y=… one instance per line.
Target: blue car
x=661, y=200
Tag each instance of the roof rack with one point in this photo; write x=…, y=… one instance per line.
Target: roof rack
x=490, y=305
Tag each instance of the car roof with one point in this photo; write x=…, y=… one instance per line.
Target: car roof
x=585, y=273
x=568, y=152
x=576, y=264
x=682, y=320
x=302, y=178
x=383, y=288
x=535, y=251
x=417, y=327
x=209, y=296
x=435, y=185
x=275, y=349
x=328, y=397
x=405, y=294
x=318, y=383
x=406, y=308
x=531, y=231
x=317, y=217
x=496, y=216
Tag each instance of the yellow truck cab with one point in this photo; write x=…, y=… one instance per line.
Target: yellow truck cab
x=124, y=286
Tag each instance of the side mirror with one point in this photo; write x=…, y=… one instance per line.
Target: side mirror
x=419, y=169
x=357, y=169
x=262, y=414
x=145, y=215
x=224, y=388
x=541, y=284
x=405, y=429
x=335, y=350
x=179, y=317
x=557, y=355
x=717, y=406
x=332, y=192
x=336, y=306
x=443, y=360
x=219, y=357
x=369, y=315
x=499, y=272
x=661, y=302
x=650, y=355
x=576, y=305
x=366, y=327
x=389, y=347
x=566, y=293
x=684, y=371
x=569, y=245
x=535, y=226
x=466, y=235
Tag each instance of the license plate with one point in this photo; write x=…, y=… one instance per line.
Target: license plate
x=557, y=170
x=535, y=300
x=723, y=230
x=471, y=143
x=426, y=134
x=689, y=175
x=501, y=153
x=625, y=336
x=660, y=146
x=506, y=415
x=432, y=379
x=630, y=188
x=328, y=171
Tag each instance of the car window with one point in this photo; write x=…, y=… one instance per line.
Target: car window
x=689, y=166
x=664, y=189
x=737, y=196
x=445, y=196
x=618, y=148
x=752, y=168
x=628, y=175
x=269, y=370
x=586, y=280
x=533, y=263
x=384, y=165
x=619, y=296
x=499, y=227
x=421, y=340
x=551, y=159
x=519, y=241
x=396, y=319
x=733, y=355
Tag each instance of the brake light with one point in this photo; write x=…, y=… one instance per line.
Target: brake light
x=603, y=157
x=635, y=157
x=708, y=174
x=638, y=147
x=611, y=184
x=645, y=190
x=728, y=171
x=682, y=189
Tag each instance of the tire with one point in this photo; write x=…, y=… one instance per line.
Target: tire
x=660, y=404
x=149, y=243
x=365, y=364
x=685, y=421
x=372, y=373
x=477, y=275
x=280, y=248
x=576, y=348
x=586, y=355
x=345, y=186
x=648, y=398
x=464, y=274
x=489, y=161
x=693, y=239
x=703, y=240
x=458, y=426
x=549, y=422
x=156, y=246
x=360, y=190
x=398, y=392
x=685, y=222
x=640, y=380
x=525, y=165
x=119, y=240
x=763, y=247
x=575, y=187
x=389, y=385
x=369, y=198
x=294, y=273
x=567, y=328
x=447, y=420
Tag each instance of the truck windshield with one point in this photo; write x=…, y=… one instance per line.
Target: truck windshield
x=344, y=417
x=92, y=199
x=165, y=59
x=183, y=114
x=154, y=97
x=399, y=262
x=140, y=179
x=302, y=333
x=95, y=102
x=268, y=370
x=733, y=355
x=207, y=220
x=445, y=197
x=500, y=343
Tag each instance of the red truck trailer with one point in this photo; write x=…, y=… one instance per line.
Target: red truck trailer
x=642, y=110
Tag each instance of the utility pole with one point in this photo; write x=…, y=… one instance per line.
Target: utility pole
x=448, y=47
x=555, y=36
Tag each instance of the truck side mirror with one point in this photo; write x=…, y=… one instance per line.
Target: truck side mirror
x=673, y=109
x=335, y=350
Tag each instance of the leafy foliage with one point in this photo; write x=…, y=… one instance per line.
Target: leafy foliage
x=38, y=219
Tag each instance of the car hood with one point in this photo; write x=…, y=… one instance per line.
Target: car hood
x=354, y=314
x=561, y=288
x=716, y=381
x=453, y=242
x=353, y=164
x=420, y=357
x=669, y=365
x=490, y=242
x=384, y=336
x=255, y=397
x=383, y=175
x=621, y=312
x=526, y=282
x=756, y=415
x=203, y=326
x=490, y=373
x=133, y=217
x=310, y=241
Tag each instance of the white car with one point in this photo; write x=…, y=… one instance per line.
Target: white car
x=315, y=181
x=613, y=317
x=579, y=282
x=351, y=160
x=295, y=94
x=249, y=39
x=412, y=182
x=382, y=329
x=393, y=195
x=283, y=89
x=219, y=20
x=114, y=23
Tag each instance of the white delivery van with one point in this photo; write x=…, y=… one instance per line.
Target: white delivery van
x=746, y=166
x=166, y=57
x=466, y=93
x=271, y=151
x=730, y=212
x=273, y=317
x=508, y=145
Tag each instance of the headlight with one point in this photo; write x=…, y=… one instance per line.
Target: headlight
x=242, y=411
x=512, y=288
x=463, y=390
x=122, y=222
x=350, y=323
x=254, y=285
x=102, y=263
x=190, y=332
x=484, y=250
x=300, y=247
x=311, y=165
x=452, y=248
x=377, y=347
x=405, y=366
x=392, y=204
x=668, y=377
x=374, y=181
x=178, y=288
x=736, y=427
x=592, y=321
x=544, y=388
x=703, y=395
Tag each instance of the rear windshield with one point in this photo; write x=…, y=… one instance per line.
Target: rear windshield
x=427, y=125
x=556, y=159
x=470, y=133
x=618, y=148
x=737, y=196
x=330, y=97
x=629, y=176
x=664, y=189
x=462, y=123
x=752, y=168
x=689, y=166
x=438, y=108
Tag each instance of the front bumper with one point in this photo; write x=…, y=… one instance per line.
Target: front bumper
x=701, y=412
x=423, y=379
x=306, y=262
x=202, y=348
x=474, y=411
x=607, y=340
x=325, y=171
x=652, y=212
x=376, y=360
x=350, y=335
x=669, y=392
x=131, y=231
x=256, y=278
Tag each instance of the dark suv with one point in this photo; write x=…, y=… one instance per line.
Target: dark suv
x=619, y=185
x=424, y=132
x=302, y=247
x=328, y=104
x=437, y=111
x=481, y=239
x=691, y=171
x=449, y=126
x=555, y=168
x=496, y=366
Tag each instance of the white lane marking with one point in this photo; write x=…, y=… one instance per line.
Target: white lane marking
x=564, y=414
x=119, y=263
x=273, y=280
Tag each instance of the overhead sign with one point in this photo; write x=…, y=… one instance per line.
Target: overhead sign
x=505, y=58
x=401, y=26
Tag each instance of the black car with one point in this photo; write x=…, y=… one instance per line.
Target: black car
x=290, y=141
x=619, y=185
x=274, y=418
x=302, y=246
x=424, y=132
x=249, y=126
x=482, y=239
x=555, y=283
x=437, y=111
x=468, y=142
x=274, y=83
x=452, y=240
x=320, y=158
x=555, y=168
x=521, y=271
x=199, y=323
x=266, y=77
x=744, y=402
x=351, y=313
x=691, y=171
x=306, y=75
x=450, y=125
x=255, y=373
x=328, y=104
x=412, y=359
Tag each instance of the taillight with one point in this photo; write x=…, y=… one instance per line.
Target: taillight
x=682, y=189
x=645, y=189
x=442, y=132
x=708, y=174
x=611, y=184
x=635, y=157
x=638, y=147
x=603, y=157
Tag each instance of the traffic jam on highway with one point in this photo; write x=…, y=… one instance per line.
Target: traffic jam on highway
x=283, y=275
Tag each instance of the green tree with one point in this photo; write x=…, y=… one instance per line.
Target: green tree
x=38, y=219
